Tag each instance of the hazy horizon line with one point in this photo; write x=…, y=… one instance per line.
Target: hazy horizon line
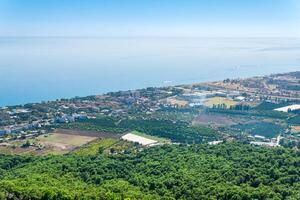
x=137, y=36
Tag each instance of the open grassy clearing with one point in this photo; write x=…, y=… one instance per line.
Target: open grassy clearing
x=92, y=148
x=15, y=147
x=61, y=141
x=219, y=101
x=64, y=139
x=19, y=151
x=295, y=129
x=53, y=143
x=107, y=146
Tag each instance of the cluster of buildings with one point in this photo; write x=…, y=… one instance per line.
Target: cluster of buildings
x=280, y=87
x=69, y=118
x=22, y=128
x=31, y=129
x=196, y=97
x=31, y=118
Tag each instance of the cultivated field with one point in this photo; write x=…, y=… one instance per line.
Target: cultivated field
x=174, y=101
x=219, y=101
x=215, y=119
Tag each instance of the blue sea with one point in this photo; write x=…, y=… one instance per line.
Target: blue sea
x=47, y=68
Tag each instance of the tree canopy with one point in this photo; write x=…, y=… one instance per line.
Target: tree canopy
x=225, y=171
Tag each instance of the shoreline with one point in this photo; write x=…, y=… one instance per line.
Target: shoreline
x=133, y=89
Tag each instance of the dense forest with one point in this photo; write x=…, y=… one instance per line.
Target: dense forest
x=226, y=171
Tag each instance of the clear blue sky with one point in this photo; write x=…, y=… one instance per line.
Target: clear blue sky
x=229, y=18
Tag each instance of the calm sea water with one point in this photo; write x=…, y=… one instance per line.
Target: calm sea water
x=36, y=69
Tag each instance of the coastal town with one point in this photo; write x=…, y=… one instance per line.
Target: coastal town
x=237, y=109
